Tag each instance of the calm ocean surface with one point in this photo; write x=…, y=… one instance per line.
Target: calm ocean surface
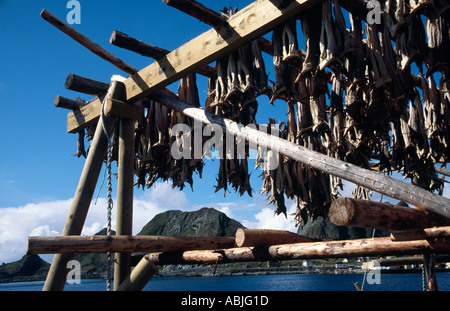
x=287, y=282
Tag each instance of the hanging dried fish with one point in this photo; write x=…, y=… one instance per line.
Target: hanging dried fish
x=328, y=47
x=438, y=44
x=311, y=26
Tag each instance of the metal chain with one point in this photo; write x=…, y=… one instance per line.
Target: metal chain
x=109, y=193
x=109, y=210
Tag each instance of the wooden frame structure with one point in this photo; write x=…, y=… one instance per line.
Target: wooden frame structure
x=122, y=103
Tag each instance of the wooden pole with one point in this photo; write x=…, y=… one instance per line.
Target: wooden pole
x=428, y=233
x=369, y=214
x=210, y=17
x=125, y=179
x=312, y=250
x=432, y=281
x=380, y=183
x=253, y=21
x=67, y=103
x=197, y=10
x=123, y=244
x=126, y=42
x=85, y=85
x=139, y=277
x=257, y=237
x=122, y=109
x=442, y=170
x=80, y=205
x=400, y=261
x=87, y=43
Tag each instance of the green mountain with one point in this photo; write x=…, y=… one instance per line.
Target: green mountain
x=29, y=268
x=323, y=229
x=206, y=222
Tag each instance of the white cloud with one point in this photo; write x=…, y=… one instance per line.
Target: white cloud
x=48, y=218
x=267, y=219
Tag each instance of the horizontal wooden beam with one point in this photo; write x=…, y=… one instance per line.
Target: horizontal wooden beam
x=211, y=17
x=257, y=237
x=315, y=250
x=368, y=214
x=85, y=85
x=122, y=244
x=118, y=108
x=126, y=42
x=248, y=24
x=427, y=233
x=83, y=117
x=67, y=103
x=442, y=170
x=400, y=261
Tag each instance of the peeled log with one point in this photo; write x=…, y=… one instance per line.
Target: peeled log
x=122, y=244
x=429, y=233
x=369, y=214
x=139, y=277
x=312, y=250
x=256, y=237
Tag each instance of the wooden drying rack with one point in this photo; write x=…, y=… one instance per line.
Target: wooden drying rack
x=226, y=35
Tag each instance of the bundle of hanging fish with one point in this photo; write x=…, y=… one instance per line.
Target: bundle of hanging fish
x=389, y=118
x=376, y=96
x=156, y=136
x=241, y=77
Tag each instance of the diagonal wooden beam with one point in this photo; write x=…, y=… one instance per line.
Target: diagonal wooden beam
x=380, y=183
x=248, y=24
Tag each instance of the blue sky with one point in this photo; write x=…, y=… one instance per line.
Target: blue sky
x=38, y=170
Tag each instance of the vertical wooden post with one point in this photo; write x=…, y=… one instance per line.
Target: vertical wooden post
x=56, y=276
x=122, y=262
x=430, y=264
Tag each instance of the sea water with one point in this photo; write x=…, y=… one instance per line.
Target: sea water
x=284, y=282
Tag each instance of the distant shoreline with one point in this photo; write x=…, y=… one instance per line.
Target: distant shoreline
x=208, y=272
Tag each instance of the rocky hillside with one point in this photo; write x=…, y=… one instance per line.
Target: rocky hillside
x=206, y=222
x=323, y=229
x=29, y=268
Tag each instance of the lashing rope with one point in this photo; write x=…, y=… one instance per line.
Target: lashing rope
x=109, y=208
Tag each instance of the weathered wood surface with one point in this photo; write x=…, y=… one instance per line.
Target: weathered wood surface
x=85, y=85
x=400, y=261
x=257, y=237
x=139, y=277
x=67, y=103
x=428, y=233
x=442, y=170
x=314, y=250
x=126, y=42
x=83, y=195
x=211, y=17
x=114, y=107
x=127, y=244
x=84, y=117
x=87, y=43
x=369, y=214
x=250, y=23
x=380, y=183
x=197, y=10
x=125, y=179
